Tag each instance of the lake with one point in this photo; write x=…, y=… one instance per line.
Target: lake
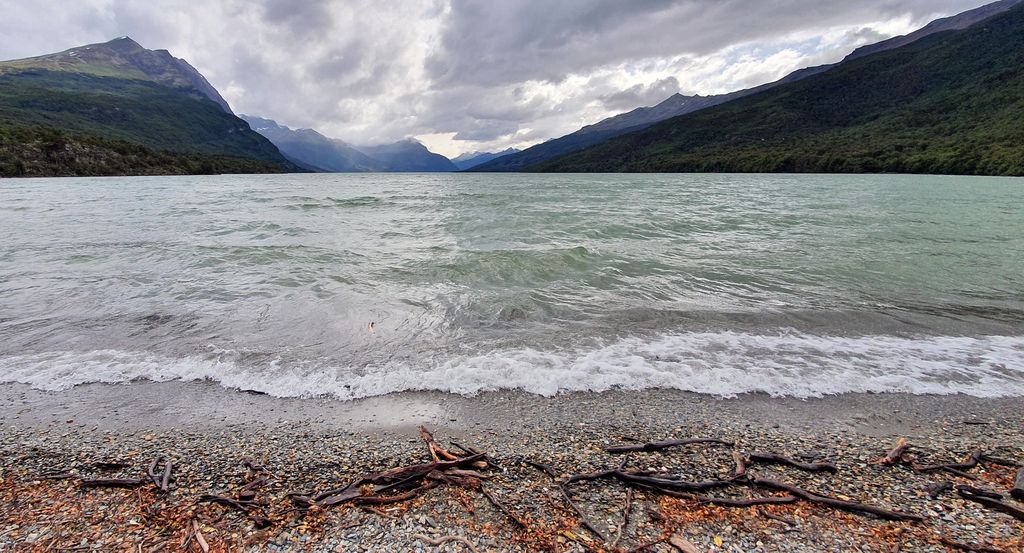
x=363, y=284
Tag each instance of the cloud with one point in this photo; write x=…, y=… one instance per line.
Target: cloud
x=469, y=74
x=641, y=94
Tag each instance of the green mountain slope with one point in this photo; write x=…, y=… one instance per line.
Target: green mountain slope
x=951, y=103
x=678, y=104
x=61, y=117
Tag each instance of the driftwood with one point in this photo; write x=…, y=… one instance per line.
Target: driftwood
x=248, y=490
x=970, y=547
x=784, y=520
x=584, y=521
x=473, y=451
x=436, y=451
x=938, y=488
x=740, y=469
x=682, y=544
x=669, y=484
x=660, y=482
x=972, y=461
x=779, y=459
x=627, y=508
x=443, y=540
x=734, y=503
x=979, y=492
x=994, y=504
x=161, y=481
x=246, y=507
x=385, y=500
x=56, y=476
x=896, y=455
x=113, y=483
x=1018, y=486
x=657, y=446
x=503, y=508
x=1000, y=461
x=547, y=469
x=833, y=502
x=648, y=545
x=110, y=465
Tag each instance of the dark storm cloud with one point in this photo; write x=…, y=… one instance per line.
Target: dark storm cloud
x=304, y=16
x=505, y=42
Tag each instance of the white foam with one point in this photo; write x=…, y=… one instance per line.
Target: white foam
x=721, y=363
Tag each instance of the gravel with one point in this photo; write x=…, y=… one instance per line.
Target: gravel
x=315, y=444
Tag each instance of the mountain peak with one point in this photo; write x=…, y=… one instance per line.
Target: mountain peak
x=123, y=58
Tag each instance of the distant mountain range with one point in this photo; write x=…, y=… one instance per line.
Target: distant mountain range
x=951, y=101
x=408, y=156
x=316, y=152
x=117, y=108
x=469, y=160
x=679, y=104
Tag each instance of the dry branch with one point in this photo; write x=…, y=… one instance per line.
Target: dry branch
x=657, y=446
x=779, y=459
x=443, y=540
x=547, y=469
x=1000, y=461
x=970, y=547
x=896, y=455
x=1018, y=486
x=436, y=451
x=113, y=483
x=503, y=508
x=584, y=521
x=682, y=544
x=979, y=492
x=161, y=481
x=840, y=504
x=627, y=508
x=969, y=463
x=784, y=520
x=740, y=470
x=991, y=503
x=938, y=488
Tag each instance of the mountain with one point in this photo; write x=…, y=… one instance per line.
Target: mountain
x=408, y=156
x=124, y=58
x=679, y=104
x=313, y=150
x=953, y=23
x=951, y=102
x=117, y=108
x=472, y=159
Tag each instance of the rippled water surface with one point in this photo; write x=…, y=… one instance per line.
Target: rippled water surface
x=356, y=285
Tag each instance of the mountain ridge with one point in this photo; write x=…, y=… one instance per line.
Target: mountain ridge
x=312, y=149
x=468, y=160
x=679, y=104
x=948, y=103
x=117, y=108
x=317, y=152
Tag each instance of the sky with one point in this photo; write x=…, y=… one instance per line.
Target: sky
x=469, y=75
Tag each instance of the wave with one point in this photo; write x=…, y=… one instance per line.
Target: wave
x=723, y=364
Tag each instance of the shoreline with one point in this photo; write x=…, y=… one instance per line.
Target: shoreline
x=316, y=444
x=205, y=405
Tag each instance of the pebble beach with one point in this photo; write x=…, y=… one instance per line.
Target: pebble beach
x=218, y=441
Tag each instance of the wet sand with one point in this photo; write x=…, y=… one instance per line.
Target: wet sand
x=199, y=405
